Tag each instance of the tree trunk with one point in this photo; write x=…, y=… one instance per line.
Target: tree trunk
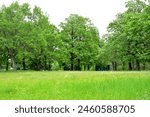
x=39, y=64
x=114, y=66
x=72, y=46
x=72, y=66
x=84, y=67
x=7, y=63
x=71, y=60
x=23, y=63
x=14, y=64
x=88, y=67
x=137, y=65
x=133, y=65
x=79, y=67
x=45, y=62
x=49, y=65
x=144, y=66
x=123, y=65
x=130, y=66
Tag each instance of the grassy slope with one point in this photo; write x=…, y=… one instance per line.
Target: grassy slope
x=75, y=85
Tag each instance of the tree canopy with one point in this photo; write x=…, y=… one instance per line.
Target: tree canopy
x=29, y=41
x=129, y=37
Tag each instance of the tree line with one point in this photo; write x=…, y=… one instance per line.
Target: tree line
x=29, y=41
x=128, y=38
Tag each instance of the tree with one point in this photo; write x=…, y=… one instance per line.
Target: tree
x=26, y=38
x=42, y=40
x=127, y=36
x=81, y=39
x=12, y=18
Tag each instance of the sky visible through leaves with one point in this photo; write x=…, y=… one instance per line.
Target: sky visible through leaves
x=101, y=12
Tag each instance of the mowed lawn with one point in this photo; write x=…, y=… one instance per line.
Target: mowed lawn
x=64, y=85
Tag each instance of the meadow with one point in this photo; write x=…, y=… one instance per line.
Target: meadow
x=67, y=85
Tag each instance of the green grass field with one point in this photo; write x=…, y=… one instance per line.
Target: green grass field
x=63, y=85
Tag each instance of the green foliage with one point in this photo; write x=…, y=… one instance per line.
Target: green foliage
x=81, y=38
x=128, y=41
x=55, y=66
x=27, y=37
x=28, y=40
